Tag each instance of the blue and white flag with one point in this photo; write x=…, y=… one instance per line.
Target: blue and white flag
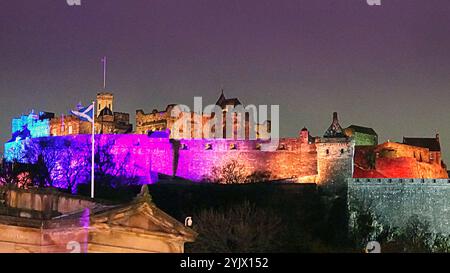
x=84, y=113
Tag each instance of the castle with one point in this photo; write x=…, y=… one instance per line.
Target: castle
x=328, y=160
x=47, y=124
x=163, y=120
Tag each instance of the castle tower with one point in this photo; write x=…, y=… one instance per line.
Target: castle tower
x=105, y=100
x=335, y=154
x=304, y=136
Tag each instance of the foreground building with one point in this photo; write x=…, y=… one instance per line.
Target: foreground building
x=47, y=221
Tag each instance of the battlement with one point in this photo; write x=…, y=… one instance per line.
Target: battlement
x=396, y=181
x=192, y=159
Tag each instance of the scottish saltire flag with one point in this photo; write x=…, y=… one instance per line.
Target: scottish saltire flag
x=84, y=113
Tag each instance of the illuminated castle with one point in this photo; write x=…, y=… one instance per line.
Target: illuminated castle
x=323, y=160
x=163, y=120
x=47, y=124
x=328, y=160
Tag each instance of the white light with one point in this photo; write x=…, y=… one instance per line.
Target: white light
x=188, y=222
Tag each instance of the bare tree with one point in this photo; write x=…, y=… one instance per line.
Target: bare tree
x=238, y=229
x=231, y=172
x=113, y=169
x=45, y=155
x=74, y=164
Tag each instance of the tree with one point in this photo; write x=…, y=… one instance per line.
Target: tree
x=113, y=169
x=231, y=172
x=43, y=156
x=74, y=164
x=237, y=229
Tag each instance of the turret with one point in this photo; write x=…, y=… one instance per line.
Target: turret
x=304, y=136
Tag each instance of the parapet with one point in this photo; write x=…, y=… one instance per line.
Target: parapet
x=396, y=181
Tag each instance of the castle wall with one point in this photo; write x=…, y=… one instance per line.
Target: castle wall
x=143, y=157
x=128, y=156
x=195, y=161
x=394, y=201
x=396, y=160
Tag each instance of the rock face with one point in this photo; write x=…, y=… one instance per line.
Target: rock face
x=46, y=221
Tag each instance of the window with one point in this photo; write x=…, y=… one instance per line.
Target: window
x=342, y=151
x=70, y=130
x=327, y=151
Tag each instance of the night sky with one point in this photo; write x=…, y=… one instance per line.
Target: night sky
x=386, y=67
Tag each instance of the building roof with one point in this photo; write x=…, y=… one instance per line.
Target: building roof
x=58, y=210
x=223, y=101
x=431, y=143
x=106, y=112
x=361, y=129
x=335, y=129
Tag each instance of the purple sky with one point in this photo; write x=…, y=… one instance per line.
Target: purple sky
x=386, y=67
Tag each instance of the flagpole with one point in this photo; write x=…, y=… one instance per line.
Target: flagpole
x=93, y=147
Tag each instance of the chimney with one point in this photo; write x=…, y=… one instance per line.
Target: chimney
x=437, y=137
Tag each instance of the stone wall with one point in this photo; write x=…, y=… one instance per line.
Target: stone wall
x=190, y=159
x=291, y=160
x=324, y=162
x=43, y=200
x=394, y=201
x=334, y=161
